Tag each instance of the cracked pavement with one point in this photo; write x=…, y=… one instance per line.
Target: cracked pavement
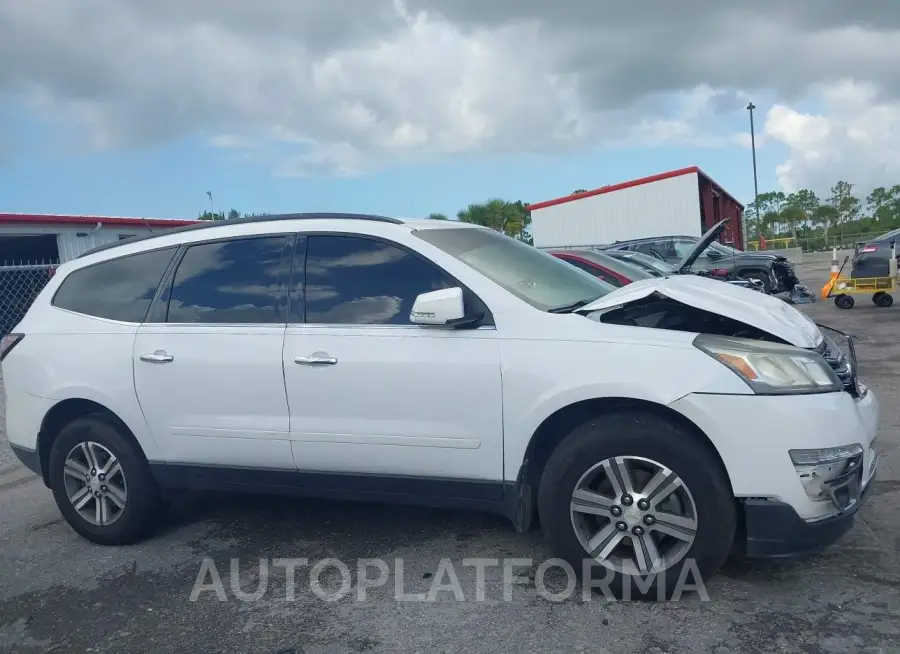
x=59, y=593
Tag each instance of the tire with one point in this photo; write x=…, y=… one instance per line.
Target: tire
x=766, y=282
x=637, y=437
x=844, y=301
x=885, y=300
x=877, y=297
x=132, y=485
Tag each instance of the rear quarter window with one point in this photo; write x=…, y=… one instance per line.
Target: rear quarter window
x=119, y=289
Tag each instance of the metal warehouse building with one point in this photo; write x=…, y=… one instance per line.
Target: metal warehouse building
x=683, y=202
x=32, y=245
x=52, y=239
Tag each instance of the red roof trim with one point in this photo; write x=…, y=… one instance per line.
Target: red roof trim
x=52, y=219
x=635, y=182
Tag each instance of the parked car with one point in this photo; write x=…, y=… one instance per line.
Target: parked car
x=870, y=259
x=613, y=271
x=774, y=271
x=362, y=357
x=659, y=268
x=618, y=270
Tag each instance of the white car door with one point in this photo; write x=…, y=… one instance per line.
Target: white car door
x=207, y=363
x=372, y=394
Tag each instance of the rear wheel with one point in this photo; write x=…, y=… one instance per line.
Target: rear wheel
x=101, y=481
x=639, y=504
x=844, y=301
x=882, y=299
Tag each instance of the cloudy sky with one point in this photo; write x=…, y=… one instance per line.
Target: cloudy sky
x=132, y=107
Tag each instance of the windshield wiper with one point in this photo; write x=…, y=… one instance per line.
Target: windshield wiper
x=569, y=308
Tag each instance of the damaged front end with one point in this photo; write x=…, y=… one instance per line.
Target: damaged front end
x=785, y=276
x=656, y=311
x=693, y=307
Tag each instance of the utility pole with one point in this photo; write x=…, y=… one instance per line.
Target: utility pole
x=211, y=207
x=750, y=108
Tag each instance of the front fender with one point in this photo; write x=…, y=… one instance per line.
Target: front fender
x=549, y=376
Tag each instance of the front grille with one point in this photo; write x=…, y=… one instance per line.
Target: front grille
x=843, y=363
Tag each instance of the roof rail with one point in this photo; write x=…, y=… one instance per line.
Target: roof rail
x=206, y=224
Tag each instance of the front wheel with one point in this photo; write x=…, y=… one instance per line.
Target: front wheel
x=101, y=481
x=639, y=504
x=844, y=301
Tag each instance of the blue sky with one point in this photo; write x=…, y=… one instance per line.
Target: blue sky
x=45, y=173
x=437, y=100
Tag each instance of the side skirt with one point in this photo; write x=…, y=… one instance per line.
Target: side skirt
x=496, y=497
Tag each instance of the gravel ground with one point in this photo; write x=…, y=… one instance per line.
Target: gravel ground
x=61, y=594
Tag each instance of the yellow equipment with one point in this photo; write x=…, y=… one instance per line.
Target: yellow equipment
x=842, y=289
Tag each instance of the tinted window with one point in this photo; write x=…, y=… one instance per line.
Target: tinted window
x=119, y=289
x=351, y=280
x=239, y=282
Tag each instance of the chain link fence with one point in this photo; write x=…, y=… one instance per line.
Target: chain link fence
x=19, y=285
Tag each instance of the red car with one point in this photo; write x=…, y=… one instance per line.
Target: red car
x=621, y=269
x=611, y=270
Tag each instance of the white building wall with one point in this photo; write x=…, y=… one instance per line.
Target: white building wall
x=666, y=207
x=73, y=240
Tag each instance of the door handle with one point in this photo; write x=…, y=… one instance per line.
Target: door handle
x=160, y=356
x=316, y=359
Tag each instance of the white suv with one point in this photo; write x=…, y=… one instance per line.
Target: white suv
x=364, y=357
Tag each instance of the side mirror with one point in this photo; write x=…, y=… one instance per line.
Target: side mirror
x=715, y=255
x=443, y=307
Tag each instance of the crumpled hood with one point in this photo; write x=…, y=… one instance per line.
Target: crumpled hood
x=749, y=307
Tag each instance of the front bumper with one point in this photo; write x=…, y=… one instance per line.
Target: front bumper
x=774, y=530
x=753, y=435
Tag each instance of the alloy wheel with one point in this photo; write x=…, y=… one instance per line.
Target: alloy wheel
x=95, y=483
x=634, y=515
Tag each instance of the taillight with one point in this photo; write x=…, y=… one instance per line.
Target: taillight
x=8, y=342
x=869, y=248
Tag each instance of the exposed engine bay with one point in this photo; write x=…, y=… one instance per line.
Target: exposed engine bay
x=656, y=311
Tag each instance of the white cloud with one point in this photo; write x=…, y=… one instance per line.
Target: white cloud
x=346, y=86
x=856, y=137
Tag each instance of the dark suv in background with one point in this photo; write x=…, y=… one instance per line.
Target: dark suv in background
x=775, y=272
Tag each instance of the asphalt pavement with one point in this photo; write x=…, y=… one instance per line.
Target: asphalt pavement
x=59, y=593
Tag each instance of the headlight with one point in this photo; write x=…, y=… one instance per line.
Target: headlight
x=771, y=368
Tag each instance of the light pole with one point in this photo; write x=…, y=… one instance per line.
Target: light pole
x=750, y=108
x=212, y=209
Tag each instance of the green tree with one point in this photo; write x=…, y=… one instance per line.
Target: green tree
x=511, y=218
x=437, y=216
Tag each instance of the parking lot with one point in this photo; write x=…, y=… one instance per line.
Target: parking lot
x=58, y=593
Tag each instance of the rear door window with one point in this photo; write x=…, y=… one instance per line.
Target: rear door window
x=119, y=289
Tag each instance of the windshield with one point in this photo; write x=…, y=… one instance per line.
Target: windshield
x=648, y=262
x=623, y=267
x=534, y=276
